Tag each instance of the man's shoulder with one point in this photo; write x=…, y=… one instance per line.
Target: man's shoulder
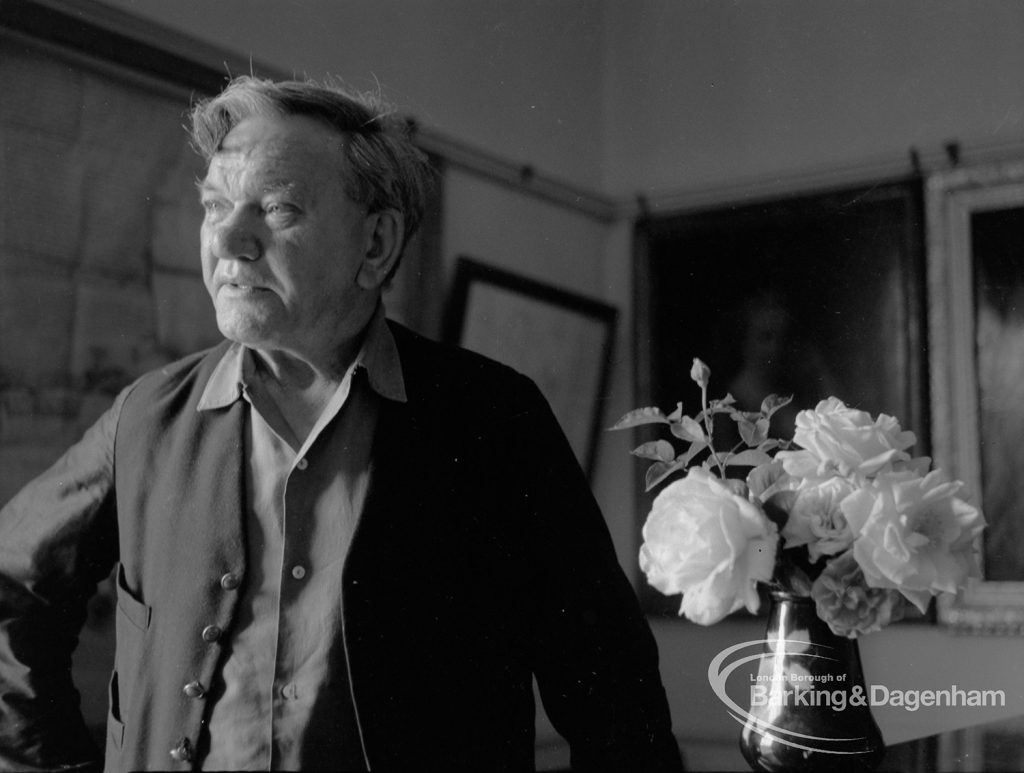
x=180, y=376
x=430, y=366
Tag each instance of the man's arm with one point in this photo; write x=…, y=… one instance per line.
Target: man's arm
x=58, y=539
x=596, y=660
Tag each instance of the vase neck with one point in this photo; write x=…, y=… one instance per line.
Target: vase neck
x=785, y=595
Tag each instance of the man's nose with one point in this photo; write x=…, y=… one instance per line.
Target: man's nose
x=236, y=237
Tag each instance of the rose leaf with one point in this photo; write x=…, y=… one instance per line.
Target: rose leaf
x=688, y=429
x=773, y=402
x=748, y=458
x=639, y=417
x=658, y=450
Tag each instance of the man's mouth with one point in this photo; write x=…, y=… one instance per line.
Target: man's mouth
x=241, y=288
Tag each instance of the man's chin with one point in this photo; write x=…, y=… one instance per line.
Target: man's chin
x=248, y=334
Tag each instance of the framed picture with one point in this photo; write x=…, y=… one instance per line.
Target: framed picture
x=560, y=339
x=812, y=295
x=976, y=324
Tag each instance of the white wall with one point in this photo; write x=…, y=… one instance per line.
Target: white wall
x=700, y=94
x=520, y=77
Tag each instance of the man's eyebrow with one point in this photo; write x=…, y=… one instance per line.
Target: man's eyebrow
x=279, y=186
x=272, y=186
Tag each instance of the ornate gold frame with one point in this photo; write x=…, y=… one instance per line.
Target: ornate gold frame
x=952, y=197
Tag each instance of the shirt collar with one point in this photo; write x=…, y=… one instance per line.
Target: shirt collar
x=378, y=357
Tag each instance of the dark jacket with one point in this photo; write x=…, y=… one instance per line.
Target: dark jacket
x=480, y=560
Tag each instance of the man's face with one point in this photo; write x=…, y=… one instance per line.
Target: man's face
x=282, y=243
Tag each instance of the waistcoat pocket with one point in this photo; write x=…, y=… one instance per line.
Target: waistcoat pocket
x=115, y=725
x=137, y=613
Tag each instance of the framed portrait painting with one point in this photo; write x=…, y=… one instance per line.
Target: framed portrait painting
x=976, y=321
x=812, y=295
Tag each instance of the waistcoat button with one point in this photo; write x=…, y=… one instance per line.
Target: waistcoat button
x=182, y=752
x=194, y=690
x=211, y=633
x=230, y=581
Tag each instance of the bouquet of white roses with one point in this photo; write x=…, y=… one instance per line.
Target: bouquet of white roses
x=843, y=514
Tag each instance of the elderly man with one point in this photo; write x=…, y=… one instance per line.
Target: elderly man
x=337, y=545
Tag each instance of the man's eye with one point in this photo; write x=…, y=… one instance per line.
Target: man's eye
x=280, y=211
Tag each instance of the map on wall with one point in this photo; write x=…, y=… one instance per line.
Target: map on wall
x=99, y=249
x=100, y=279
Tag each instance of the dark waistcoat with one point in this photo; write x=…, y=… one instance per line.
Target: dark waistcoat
x=480, y=559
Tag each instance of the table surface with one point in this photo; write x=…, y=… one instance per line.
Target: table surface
x=995, y=746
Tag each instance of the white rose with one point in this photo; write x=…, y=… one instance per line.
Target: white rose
x=816, y=517
x=913, y=534
x=845, y=440
x=848, y=605
x=711, y=545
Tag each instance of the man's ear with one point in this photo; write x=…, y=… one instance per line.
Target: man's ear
x=385, y=238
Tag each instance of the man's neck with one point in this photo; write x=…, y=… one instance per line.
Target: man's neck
x=297, y=409
x=301, y=387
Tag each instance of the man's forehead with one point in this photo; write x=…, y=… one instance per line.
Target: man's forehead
x=293, y=131
x=278, y=147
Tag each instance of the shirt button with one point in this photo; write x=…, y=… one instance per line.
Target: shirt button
x=290, y=691
x=194, y=690
x=211, y=633
x=230, y=581
x=298, y=571
x=302, y=463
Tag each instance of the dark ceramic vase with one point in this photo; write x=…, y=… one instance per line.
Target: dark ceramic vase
x=810, y=709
